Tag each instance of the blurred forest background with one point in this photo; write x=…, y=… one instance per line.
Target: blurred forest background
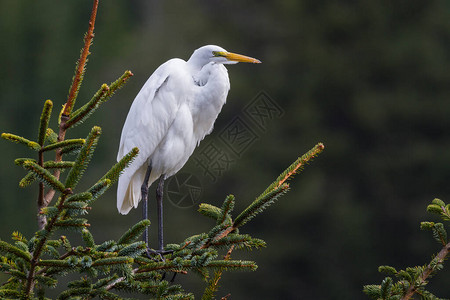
x=369, y=79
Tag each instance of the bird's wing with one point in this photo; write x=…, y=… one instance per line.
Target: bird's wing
x=150, y=116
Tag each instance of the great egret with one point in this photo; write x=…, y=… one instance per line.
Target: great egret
x=175, y=109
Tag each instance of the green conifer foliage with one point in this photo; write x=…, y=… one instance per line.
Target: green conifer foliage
x=105, y=269
x=413, y=280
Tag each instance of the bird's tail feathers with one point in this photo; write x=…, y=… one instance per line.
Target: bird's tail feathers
x=129, y=189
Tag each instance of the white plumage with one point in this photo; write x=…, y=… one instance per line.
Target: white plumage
x=175, y=109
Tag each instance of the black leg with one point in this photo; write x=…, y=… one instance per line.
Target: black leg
x=159, y=202
x=144, y=194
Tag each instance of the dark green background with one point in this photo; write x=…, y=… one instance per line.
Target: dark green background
x=369, y=79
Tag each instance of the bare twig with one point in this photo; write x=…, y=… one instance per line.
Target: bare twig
x=81, y=62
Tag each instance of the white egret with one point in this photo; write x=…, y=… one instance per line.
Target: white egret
x=175, y=109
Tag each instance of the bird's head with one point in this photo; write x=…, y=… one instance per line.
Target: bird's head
x=216, y=54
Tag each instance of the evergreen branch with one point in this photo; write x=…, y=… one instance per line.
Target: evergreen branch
x=44, y=176
x=133, y=250
x=75, y=208
x=87, y=238
x=50, y=136
x=101, y=96
x=209, y=210
x=114, y=173
x=49, y=211
x=295, y=168
x=55, y=263
x=45, y=118
x=413, y=280
x=227, y=208
x=20, y=140
x=86, y=110
x=21, y=161
x=27, y=180
x=80, y=197
x=114, y=86
x=64, y=144
x=239, y=241
x=10, y=293
x=191, y=264
x=259, y=205
x=75, y=223
x=134, y=232
x=81, y=64
x=8, y=248
x=112, y=261
x=427, y=272
x=72, y=293
x=98, y=189
x=240, y=265
x=17, y=236
x=83, y=158
x=438, y=207
x=213, y=283
x=58, y=165
x=74, y=149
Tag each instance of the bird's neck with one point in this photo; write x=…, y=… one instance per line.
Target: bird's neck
x=202, y=75
x=213, y=85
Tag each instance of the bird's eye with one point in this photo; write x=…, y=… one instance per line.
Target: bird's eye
x=218, y=53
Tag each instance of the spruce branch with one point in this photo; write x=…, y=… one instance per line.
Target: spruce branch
x=119, y=83
x=45, y=118
x=83, y=158
x=413, y=280
x=114, y=173
x=50, y=136
x=80, y=197
x=64, y=144
x=429, y=270
x=21, y=161
x=58, y=165
x=134, y=232
x=209, y=210
x=98, y=189
x=44, y=175
x=8, y=248
x=27, y=179
x=295, y=167
x=227, y=208
x=20, y=140
x=213, y=283
x=260, y=204
x=101, y=96
x=83, y=112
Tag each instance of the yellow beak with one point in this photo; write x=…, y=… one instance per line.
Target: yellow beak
x=240, y=58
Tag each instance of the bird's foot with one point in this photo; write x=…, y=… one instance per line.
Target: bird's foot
x=152, y=254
